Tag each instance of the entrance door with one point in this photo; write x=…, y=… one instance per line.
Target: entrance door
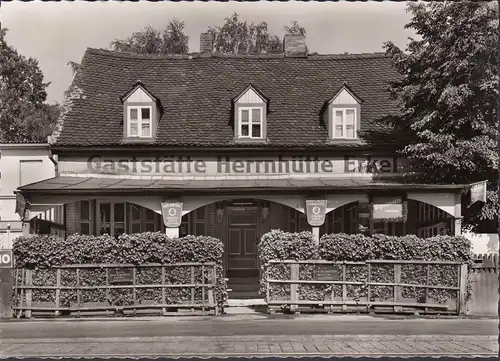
x=242, y=245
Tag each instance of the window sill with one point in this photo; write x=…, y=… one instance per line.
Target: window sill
x=137, y=140
x=250, y=141
x=345, y=141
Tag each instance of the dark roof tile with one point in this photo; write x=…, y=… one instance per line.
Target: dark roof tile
x=196, y=92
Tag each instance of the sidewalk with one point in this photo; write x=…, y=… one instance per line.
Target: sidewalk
x=254, y=345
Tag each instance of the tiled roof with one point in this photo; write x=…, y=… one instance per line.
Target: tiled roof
x=196, y=92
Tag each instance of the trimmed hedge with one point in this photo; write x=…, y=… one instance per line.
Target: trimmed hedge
x=359, y=248
x=42, y=252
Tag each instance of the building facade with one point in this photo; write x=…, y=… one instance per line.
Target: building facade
x=22, y=164
x=239, y=144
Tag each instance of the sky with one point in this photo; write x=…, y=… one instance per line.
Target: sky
x=56, y=33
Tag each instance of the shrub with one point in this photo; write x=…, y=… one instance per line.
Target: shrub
x=42, y=252
x=359, y=248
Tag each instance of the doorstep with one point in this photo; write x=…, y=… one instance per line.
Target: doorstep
x=245, y=302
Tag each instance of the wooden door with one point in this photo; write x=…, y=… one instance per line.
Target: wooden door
x=242, y=240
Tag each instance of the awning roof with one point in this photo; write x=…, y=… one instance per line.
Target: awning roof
x=66, y=184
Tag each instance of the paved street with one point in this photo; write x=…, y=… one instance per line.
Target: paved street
x=251, y=335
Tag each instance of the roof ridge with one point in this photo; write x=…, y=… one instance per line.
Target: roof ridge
x=190, y=56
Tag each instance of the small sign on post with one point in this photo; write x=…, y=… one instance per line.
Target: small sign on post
x=327, y=272
x=121, y=276
x=172, y=214
x=6, y=258
x=315, y=211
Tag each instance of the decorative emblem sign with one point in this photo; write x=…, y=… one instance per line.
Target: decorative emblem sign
x=172, y=214
x=315, y=211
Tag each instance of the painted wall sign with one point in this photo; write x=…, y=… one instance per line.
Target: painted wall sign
x=121, y=276
x=315, y=211
x=226, y=165
x=172, y=214
x=387, y=208
x=327, y=272
x=6, y=258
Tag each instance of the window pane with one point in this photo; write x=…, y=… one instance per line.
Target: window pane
x=119, y=212
x=134, y=128
x=146, y=129
x=244, y=116
x=105, y=228
x=339, y=117
x=244, y=130
x=349, y=132
x=84, y=228
x=349, y=116
x=150, y=227
x=136, y=212
x=339, y=131
x=150, y=215
x=145, y=113
x=119, y=229
x=200, y=214
x=133, y=114
x=136, y=228
x=256, y=131
x=85, y=210
x=105, y=210
x=256, y=115
x=200, y=229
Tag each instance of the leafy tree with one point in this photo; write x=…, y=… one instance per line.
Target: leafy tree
x=239, y=37
x=172, y=40
x=23, y=114
x=448, y=92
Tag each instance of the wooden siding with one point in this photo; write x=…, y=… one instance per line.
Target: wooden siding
x=71, y=218
x=139, y=96
x=250, y=97
x=344, y=98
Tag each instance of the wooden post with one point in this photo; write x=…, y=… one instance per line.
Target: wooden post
x=58, y=291
x=427, y=286
x=78, y=291
x=210, y=289
x=397, y=288
x=163, y=291
x=23, y=283
x=462, y=307
x=29, y=292
x=214, y=294
x=202, y=288
x=368, y=291
x=294, y=276
x=315, y=232
x=344, y=288
x=134, y=294
x=192, y=288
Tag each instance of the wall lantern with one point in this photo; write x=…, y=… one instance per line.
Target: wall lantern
x=219, y=211
x=264, y=210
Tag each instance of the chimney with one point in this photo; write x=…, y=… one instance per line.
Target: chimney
x=295, y=45
x=206, y=43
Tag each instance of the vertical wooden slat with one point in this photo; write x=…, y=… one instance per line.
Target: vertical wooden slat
x=16, y=291
x=58, y=291
x=462, y=309
x=192, y=288
x=368, y=301
x=294, y=276
x=78, y=291
x=163, y=291
x=29, y=294
x=202, y=288
x=267, y=285
x=397, y=288
x=23, y=283
x=214, y=295
x=134, y=293
x=107, y=289
x=428, y=271
x=344, y=288
x=210, y=290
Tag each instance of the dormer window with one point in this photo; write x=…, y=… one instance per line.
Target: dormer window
x=141, y=111
x=250, y=115
x=140, y=121
x=343, y=115
x=250, y=121
x=344, y=123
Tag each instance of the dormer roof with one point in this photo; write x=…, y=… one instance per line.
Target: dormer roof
x=138, y=85
x=345, y=95
x=249, y=90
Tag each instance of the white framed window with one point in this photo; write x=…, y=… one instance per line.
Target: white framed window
x=139, y=121
x=344, y=123
x=250, y=123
